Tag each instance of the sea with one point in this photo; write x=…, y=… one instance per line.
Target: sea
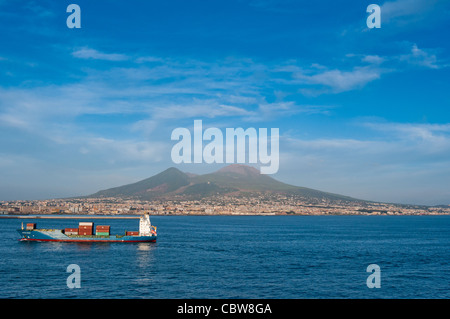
x=238, y=257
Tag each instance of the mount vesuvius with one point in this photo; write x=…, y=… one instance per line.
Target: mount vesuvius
x=235, y=180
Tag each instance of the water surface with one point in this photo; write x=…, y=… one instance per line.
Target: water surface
x=237, y=257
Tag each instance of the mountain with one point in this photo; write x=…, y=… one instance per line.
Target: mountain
x=165, y=182
x=235, y=179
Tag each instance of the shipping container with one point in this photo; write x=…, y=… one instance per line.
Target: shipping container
x=132, y=233
x=31, y=226
x=102, y=234
x=71, y=231
x=102, y=227
x=84, y=230
x=91, y=224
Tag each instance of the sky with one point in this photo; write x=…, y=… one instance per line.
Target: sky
x=361, y=112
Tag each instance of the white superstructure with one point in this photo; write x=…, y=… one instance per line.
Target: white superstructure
x=145, y=227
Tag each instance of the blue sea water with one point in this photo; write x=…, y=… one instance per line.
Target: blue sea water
x=276, y=257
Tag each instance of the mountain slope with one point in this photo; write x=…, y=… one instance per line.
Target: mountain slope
x=233, y=179
x=244, y=178
x=165, y=182
x=248, y=178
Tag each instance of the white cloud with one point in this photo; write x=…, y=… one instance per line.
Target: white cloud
x=198, y=108
x=374, y=59
x=87, y=53
x=413, y=57
x=151, y=59
x=420, y=57
x=113, y=150
x=396, y=164
x=424, y=139
x=341, y=81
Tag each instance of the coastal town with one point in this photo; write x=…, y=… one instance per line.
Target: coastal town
x=261, y=204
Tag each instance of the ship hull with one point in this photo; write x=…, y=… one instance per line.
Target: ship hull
x=56, y=235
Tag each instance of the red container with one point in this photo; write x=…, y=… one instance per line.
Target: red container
x=85, y=233
x=85, y=230
x=132, y=233
x=102, y=230
x=31, y=226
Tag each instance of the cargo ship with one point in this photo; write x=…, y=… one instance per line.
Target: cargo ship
x=85, y=233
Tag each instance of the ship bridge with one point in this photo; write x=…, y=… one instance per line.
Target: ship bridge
x=145, y=226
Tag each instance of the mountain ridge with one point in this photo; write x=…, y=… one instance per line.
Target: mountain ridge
x=233, y=180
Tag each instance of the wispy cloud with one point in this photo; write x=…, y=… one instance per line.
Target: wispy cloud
x=88, y=53
x=197, y=109
x=185, y=89
x=146, y=59
x=125, y=150
x=421, y=57
x=407, y=145
x=341, y=81
x=373, y=59
x=397, y=162
x=406, y=11
x=423, y=138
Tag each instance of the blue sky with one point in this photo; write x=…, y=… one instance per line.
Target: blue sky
x=361, y=112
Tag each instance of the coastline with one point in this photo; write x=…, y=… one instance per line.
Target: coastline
x=53, y=216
